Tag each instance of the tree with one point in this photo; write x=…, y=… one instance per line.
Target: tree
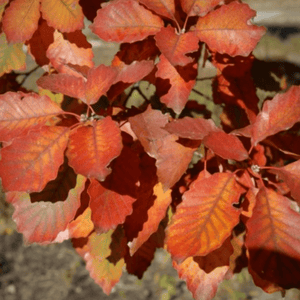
x=122, y=178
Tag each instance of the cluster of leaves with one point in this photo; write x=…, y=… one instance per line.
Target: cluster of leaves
x=122, y=180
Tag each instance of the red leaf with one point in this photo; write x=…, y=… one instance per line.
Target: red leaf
x=134, y=72
x=290, y=174
x=32, y=160
x=99, y=81
x=62, y=52
x=66, y=16
x=174, y=46
x=92, y=148
x=155, y=214
x=168, y=152
x=145, y=200
x=125, y=21
x=205, y=218
x=95, y=253
x=142, y=258
x=225, y=145
x=63, y=83
x=204, y=274
x=234, y=38
x=198, y=7
x=277, y=115
x=109, y=208
x=21, y=112
x=40, y=41
x=190, y=128
x=20, y=20
x=164, y=8
x=162, y=146
x=89, y=91
x=273, y=239
x=45, y=222
x=179, y=92
x=138, y=51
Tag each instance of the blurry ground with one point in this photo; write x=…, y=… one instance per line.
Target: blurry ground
x=56, y=272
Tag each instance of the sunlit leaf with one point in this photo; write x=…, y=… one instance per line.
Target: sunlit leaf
x=64, y=15
x=12, y=56
x=205, y=218
x=20, y=112
x=82, y=226
x=91, y=148
x=155, y=214
x=95, y=253
x=198, y=7
x=125, y=21
x=20, y=20
x=278, y=114
x=234, y=37
x=175, y=46
x=43, y=221
x=31, y=160
x=273, y=239
x=62, y=52
x=3, y=3
x=89, y=90
x=204, y=274
x=164, y=8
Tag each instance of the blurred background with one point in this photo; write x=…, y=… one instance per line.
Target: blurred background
x=56, y=272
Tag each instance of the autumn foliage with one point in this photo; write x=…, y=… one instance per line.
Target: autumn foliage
x=122, y=179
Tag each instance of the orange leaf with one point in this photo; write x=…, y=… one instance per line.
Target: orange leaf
x=175, y=46
x=44, y=222
x=234, y=38
x=92, y=148
x=155, y=214
x=205, y=218
x=20, y=112
x=32, y=160
x=204, y=274
x=178, y=94
x=125, y=21
x=198, y=7
x=278, y=114
x=82, y=225
x=164, y=8
x=109, y=208
x=273, y=239
x=95, y=253
x=64, y=15
x=20, y=20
